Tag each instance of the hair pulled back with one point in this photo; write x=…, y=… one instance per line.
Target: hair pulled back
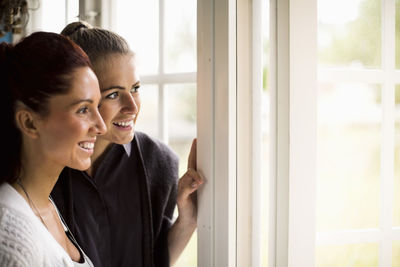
x=96, y=42
x=38, y=67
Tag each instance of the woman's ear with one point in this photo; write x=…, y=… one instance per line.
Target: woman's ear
x=26, y=121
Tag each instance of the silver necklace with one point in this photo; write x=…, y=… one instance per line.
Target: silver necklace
x=36, y=211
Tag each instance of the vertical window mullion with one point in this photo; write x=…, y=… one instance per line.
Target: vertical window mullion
x=66, y=12
x=163, y=99
x=257, y=75
x=163, y=112
x=302, y=131
x=387, y=154
x=216, y=117
x=249, y=140
x=296, y=132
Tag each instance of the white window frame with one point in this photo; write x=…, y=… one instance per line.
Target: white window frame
x=229, y=132
x=216, y=121
x=388, y=77
x=249, y=132
x=293, y=132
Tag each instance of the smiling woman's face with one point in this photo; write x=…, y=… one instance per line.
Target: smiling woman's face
x=120, y=101
x=69, y=129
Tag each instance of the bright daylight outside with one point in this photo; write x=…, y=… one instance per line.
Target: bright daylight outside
x=350, y=129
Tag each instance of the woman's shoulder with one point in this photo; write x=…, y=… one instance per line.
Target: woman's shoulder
x=160, y=162
x=151, y=146
x=24, y=241
x=146, y=140
x=19, y=239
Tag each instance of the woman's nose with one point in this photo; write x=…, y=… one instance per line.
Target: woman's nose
x=130, y=105
x=99, y=125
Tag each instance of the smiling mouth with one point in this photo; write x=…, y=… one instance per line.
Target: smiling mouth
x=86, y=145
x=124, y=124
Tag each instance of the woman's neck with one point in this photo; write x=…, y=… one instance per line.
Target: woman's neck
x=37, y=177
x=36, y=184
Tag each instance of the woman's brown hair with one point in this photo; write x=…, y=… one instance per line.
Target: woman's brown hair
x=35, y=69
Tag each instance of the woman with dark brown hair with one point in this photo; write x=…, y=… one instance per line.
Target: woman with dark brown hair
x=50, y=120
x=121, y=208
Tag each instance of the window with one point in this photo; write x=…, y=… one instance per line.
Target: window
x=349, y=116
x=356, y=207
x=51, y=15
x=230, y=133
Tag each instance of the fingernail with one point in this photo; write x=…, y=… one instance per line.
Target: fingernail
x=193, y=185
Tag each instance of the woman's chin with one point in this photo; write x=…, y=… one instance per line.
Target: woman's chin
x=81, y=166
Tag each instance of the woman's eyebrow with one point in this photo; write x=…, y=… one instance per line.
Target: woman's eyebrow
x=112, y=87
x=80, y=101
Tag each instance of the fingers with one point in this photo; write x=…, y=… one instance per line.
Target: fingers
x=190, y=182
x=196, y=177
x=193, y=155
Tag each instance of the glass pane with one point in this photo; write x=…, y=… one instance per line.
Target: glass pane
x=73, y=10
x=182, y=130
x=396, y=254
x=348, y=161
x=349, y=33
x=148, y=116
x=398, y=34
x=137, y=21
x=189, y=255
x=181, y=119
x=354, y=255
x=53, y=19
x=396, y=213
x=180, y=36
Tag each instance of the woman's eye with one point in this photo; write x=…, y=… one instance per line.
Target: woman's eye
x=112, y=95
x=135, y=89
x=83, y=110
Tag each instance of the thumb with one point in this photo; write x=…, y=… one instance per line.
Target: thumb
x=192, y=156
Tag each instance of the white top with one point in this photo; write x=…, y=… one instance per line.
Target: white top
x=24, y=240
x=86, y=261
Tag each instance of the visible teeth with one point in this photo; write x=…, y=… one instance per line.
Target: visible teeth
x=87, y=145
x=124, y=124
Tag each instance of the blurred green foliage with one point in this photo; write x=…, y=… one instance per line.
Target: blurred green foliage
x=265, y=63
x=397, y=34
x=397, y=94
x=362, y=255
x=359, y=41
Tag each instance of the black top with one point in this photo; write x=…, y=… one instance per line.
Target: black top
x=122, y=215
